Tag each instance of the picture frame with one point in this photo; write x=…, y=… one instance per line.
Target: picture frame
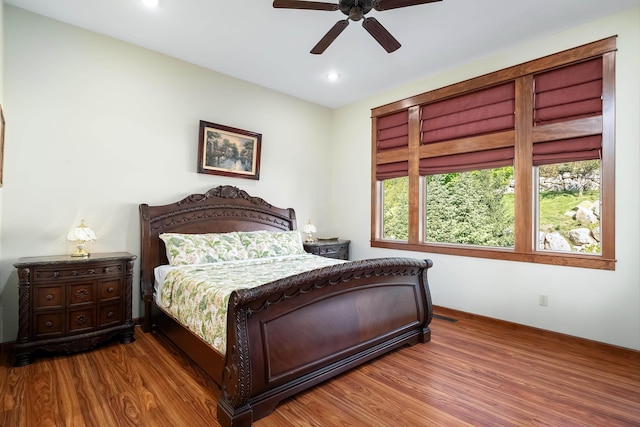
x=2, y=123
x=228, y=151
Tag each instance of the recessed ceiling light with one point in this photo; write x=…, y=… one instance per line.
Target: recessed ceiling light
x=332, y=77
x=150, y=3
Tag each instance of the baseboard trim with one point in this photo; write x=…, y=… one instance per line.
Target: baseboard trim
x=453, y=314
x=590, y=345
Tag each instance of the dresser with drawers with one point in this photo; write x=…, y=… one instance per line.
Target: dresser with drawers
x=71, y=304
x=332, y=248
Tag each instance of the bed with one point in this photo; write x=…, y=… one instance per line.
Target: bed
x=290, y=333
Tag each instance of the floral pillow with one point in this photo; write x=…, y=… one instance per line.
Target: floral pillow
x=262, y=244
x=186, y=249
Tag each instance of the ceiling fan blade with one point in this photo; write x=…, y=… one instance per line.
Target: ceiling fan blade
x=394, y=4
x=299, y=4
x=331, y=35
x=382, y=36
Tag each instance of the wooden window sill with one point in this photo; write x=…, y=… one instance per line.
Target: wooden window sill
x=552, y=258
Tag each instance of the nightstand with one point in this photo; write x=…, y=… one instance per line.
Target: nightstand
x=73, y=304
x=338, y=249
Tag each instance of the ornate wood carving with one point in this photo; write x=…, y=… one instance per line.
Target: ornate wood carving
x=229, y=192
x=127, y=295
x=223, y=192
x=289, y=287
x=236, y=382
x=64, y=274
x=24, y=298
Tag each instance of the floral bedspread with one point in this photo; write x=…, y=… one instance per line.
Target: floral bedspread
x=198, y=295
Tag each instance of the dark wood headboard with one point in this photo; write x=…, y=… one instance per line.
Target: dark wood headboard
x=219, y=210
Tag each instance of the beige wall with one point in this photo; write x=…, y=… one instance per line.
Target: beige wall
x=598, y=305
x=97, y=126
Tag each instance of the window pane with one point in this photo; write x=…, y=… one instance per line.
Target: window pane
x=471, y=208
x=395, y=207
x=569, y=207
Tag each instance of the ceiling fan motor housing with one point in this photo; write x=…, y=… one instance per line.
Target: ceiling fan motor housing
x=355, y=9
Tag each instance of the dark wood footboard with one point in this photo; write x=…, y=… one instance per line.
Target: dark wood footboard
x=297, y=332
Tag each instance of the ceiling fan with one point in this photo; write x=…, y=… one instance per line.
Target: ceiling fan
x=355, y=11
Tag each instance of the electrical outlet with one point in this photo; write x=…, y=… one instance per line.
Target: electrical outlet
x=543, y=300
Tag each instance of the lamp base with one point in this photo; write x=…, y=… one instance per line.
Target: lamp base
x=80, y=252
x=80, y=255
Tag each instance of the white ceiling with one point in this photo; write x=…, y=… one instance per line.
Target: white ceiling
x=251, y=40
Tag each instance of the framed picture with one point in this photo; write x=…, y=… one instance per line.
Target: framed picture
x=223, y=150
x=1, y=146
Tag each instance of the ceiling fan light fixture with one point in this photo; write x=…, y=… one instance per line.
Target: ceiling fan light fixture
x=356, y=13
x=332, y=76
x=151, y=4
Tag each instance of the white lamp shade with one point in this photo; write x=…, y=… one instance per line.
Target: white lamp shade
x=81, y=233
x=309, y=228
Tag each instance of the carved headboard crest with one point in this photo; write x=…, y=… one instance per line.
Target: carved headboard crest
x=225, y=192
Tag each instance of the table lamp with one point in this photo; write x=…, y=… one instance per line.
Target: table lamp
x=81, y=235
x=309, y=229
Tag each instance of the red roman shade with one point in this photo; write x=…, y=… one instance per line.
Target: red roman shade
x=393, y=130
x=568, y=93
x=567, y=150
x=392, y=170
x=477, y=113
x=476, y=160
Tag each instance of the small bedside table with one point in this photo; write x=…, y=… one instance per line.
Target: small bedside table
x=338, y=249
x=73, y=304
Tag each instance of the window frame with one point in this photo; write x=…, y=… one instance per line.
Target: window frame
x=522, y=138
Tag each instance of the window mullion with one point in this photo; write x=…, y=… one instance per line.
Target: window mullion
x=376, y=187
x=416, y=198
x=523, y=165
x=607, y=183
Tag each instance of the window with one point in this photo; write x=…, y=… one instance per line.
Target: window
x=471, y=208
x=517, y=164
x=568, y=207
x=396, y=209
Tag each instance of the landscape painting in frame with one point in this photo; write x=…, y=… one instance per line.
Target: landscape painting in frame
x=2, y=123
x=223, y=150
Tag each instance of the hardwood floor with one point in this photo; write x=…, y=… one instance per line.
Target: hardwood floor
x=475, y=371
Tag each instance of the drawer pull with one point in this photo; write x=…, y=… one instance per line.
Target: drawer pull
x=81, y=319
x=48, y=324
x=110, y=289
x=56, y=274
x=49, y=297
x=110, y=314
x=82, y=293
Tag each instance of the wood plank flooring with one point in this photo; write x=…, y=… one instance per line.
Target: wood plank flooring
x=474, y=372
